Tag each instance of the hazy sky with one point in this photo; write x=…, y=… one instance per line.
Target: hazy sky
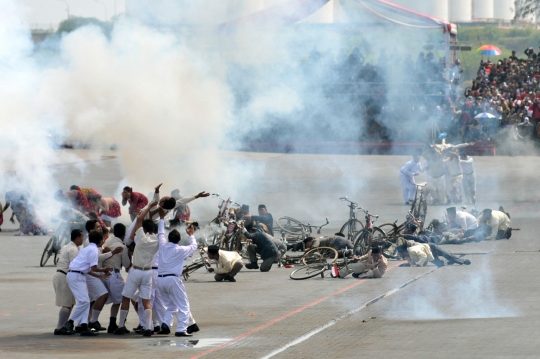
x=47, y=13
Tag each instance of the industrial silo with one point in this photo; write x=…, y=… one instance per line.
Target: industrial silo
x=482, y=9
x=439, y=8
x=504, y=9
x=461, y=10
x=325, y=15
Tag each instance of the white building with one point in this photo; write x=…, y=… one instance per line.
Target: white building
x=173, y=12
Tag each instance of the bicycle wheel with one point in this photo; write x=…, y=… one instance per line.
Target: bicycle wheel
x=213, y=232
x=309, y=271
x=351, y=227
x=191, y=268
x=320, y=255
x=47, y=251
x=235, y=244
x=389, y=228
x=290, y=225
x=378, y=234
x=361, y=242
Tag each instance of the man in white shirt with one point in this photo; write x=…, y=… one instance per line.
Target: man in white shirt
x=64, y=297
x=464, y=221
x=228, y=263
x=454, y=176
x=115, y=283
x=469, y=176
x=435, y=174
x=85, y=264
x=99, y=293
x=496, y=222
x=406, y=177
x=418, y=254
x=171, y=266
x=140, y=275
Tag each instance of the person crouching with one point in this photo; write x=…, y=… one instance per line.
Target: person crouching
x=228, y=263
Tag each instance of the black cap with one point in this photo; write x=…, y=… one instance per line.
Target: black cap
x=486, y=212
x=213, y=249
x=451, y=211
x=245, y=208
x=339, y=234
x=376, y=250
x=262, y=206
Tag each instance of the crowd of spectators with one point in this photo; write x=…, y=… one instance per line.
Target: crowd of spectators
x=391, y=98
x=510, y=90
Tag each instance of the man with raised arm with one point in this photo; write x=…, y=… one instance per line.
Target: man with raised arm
x=140, y=275
x=171, y=287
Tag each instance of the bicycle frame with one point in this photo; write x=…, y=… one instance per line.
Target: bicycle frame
x=352, y=216
x=196, y=264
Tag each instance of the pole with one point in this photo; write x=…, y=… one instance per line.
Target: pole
x=67, y=7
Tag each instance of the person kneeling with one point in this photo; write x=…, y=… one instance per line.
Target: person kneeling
x=228, y=263
x=371, y=265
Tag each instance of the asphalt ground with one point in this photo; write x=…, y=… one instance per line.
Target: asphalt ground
x=486, y=310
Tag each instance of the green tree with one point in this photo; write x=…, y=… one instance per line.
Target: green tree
x=526, y=8
x=74, y=22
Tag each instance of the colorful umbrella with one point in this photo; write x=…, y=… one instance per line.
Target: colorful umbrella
x=489, y=50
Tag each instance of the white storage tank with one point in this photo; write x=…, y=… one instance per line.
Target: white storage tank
x=325, y=15
x=504, y=9
x=439, y=8
x=461, y=10
x=482, y=9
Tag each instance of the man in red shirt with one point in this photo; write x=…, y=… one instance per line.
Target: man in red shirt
x=137, y=201
x=536, y=111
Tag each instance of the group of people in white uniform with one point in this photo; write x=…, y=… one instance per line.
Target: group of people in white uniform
x=448, y=169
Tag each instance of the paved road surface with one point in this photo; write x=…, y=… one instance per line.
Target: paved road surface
x=486, y=310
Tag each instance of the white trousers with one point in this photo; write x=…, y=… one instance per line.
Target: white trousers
x=115, y=285
x=408, y=186
x=96, y=287
x=77, y=284
x=436, y=189
x=175, y=299
x=469, y=186
x=453, y=183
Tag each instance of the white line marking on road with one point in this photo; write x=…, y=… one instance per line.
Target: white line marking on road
x=308, y=335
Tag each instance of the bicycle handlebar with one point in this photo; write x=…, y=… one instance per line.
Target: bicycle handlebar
x=348, y=200
x=318, y=227
x=367, y=212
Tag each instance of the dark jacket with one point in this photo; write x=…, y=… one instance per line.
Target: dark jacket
x=424, y=237
x=265, y=246
x=337, y=242
x=267, y=220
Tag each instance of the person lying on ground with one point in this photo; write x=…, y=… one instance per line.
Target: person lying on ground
x=419, y=254
x=343, y=246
